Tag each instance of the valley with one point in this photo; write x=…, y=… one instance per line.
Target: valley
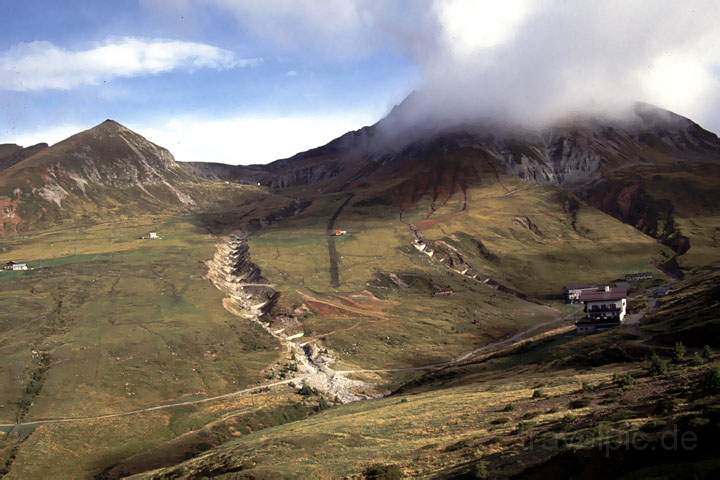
x=430, y=336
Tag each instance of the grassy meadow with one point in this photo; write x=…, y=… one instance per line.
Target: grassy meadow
x=107, y=322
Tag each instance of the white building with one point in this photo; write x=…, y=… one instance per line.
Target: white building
x=15, y=266
x=604, y=309
x=573, y=292
x=154, y=236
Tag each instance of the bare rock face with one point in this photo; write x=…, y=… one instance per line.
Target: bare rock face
x=630, y=203
x=232, y=272
x=600, y=159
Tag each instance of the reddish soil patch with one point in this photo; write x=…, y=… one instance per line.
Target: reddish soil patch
x=8, y=215
x=327, y=309
x=349, y=304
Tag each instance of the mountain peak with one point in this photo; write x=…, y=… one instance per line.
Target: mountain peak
x=110, y=125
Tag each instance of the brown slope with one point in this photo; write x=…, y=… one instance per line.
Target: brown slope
x=645, y=168
x=10, y=154
x=108, y=168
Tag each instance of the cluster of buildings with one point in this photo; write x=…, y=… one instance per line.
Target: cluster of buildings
x=605, y=305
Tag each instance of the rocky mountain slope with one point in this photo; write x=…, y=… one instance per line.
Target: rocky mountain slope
x=105, y=168
x=644, y=168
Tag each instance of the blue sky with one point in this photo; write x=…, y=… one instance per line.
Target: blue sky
x=325, y=93
x=250, y=81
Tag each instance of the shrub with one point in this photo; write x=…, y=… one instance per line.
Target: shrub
x=711, y=382
x=679, y=353
x=586, y=387
x=508, y=408
x=666, y=405
x=383, y=472
x=539, y=393
x=580, y=403
x=480, y=472
x=697, y=359
x=707, y=353
x=521, y=427
x=306, y=390
x=619, y=414
x=624, y=380
x=323, y=404
x=658, y=366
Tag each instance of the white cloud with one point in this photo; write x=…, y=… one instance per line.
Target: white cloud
x=43, y=65
x=534, y=61
x=471, y=25
x=531, y=60
x=241, y=139
x=291, y=73
x=34, y=136
x=330, y=28
x=250, y=139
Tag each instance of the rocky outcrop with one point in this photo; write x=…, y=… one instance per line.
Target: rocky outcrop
x=251, y=297
x=232, y=272
x=9, y=217
x=442, y=253
x=527, y=223
x=630, y=203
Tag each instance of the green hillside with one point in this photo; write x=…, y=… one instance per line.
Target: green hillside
x=424, y=287
x=531, y=413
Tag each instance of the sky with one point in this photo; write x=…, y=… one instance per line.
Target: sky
x=251, y=81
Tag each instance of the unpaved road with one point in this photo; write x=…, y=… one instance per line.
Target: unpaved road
x=490, y=349
x=332, y=249
x=154, y=408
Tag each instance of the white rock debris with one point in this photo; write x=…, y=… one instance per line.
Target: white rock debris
x=251, y=296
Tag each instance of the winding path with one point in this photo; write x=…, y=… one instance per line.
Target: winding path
x=154, y=408
x=489, y=350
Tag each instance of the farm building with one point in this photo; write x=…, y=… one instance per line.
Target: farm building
x=154, y=236
x=638, y=276
x=15, y=266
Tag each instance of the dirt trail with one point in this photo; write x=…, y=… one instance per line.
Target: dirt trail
x=332, y=249
x=363, y=312
x=485, y=352
x=165, y=406
x=491, y=349
x=250, y=297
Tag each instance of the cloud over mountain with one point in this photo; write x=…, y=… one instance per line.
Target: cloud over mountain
x=524, y=60
x=540, y=60
x=43, y=65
